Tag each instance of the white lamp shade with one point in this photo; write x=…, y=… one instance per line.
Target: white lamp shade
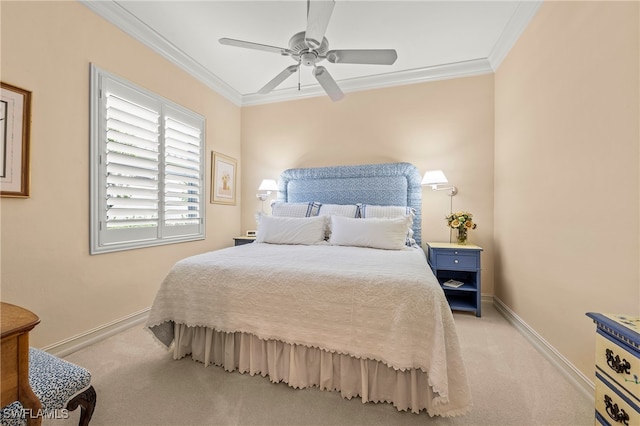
x=434, y=177
x=268, y=185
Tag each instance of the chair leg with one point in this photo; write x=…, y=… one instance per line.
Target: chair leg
x=87, y=402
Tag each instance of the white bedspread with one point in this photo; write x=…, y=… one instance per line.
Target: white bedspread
x=384, y=305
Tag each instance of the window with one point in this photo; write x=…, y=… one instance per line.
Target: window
x=147, y=168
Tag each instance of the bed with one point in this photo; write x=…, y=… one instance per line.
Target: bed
x=324, y=299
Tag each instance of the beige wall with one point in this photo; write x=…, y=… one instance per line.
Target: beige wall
x=566, y=172
x=47, y=48
x=565, y=133
x=444, y=125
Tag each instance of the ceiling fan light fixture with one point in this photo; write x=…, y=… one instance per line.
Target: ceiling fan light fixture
x=298, y=46
x=309, y=58
x=306, y=49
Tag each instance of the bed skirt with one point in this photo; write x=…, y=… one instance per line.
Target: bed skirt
x=302, y=367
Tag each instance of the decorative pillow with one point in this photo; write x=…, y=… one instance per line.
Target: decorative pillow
x=382, y=233
x=371, y=210
x=280, y=209
x=291, y=230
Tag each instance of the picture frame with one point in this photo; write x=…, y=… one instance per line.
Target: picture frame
x=223, y=179
x=15, y=127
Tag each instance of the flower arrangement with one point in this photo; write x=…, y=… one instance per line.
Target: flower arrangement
x=463, y=222
x=225, y=180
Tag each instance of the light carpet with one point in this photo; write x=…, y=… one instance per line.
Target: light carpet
x=138, y=383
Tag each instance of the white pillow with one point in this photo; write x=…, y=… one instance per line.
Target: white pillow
x=291, y=230
x=294, y=209
x=382, y=233
x=371, y=210
x=346, y=210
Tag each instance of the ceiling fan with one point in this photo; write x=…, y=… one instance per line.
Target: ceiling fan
x=310, y=47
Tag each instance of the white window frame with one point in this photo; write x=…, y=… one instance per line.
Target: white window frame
x=103, y=239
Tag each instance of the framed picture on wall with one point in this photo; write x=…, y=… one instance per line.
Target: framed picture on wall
x=223, y=179
x=15, y=120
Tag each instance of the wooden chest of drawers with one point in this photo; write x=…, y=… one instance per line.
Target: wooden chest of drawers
x=15, y=325
x=617, y=398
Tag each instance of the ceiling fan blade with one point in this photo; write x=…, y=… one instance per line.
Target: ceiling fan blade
x=363, y=56
x=278, y=79
x=255, y=46
x=328, y=83
x=318, y=15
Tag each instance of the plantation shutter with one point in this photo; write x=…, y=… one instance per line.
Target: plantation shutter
x=132, y=164
x=183, y=182
x=147, y=168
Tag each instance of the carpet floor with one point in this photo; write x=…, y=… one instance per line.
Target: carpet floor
x=138, y=383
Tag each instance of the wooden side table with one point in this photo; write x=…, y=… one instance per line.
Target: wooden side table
x=15, y=325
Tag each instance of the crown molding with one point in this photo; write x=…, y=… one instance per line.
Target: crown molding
x=121, y=18
x=524, y=13
x=420, y=75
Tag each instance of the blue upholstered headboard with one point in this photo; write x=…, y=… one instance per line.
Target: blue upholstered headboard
x=391, y=184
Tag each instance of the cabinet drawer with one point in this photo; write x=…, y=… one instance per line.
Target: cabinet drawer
x=622, y=366
x=455, y=261
x=613, y=406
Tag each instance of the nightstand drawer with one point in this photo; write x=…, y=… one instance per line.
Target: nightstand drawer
x=450, y=260
x=614, y=405
x=619, y=364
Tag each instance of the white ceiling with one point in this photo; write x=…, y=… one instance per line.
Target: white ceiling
x=433, y=39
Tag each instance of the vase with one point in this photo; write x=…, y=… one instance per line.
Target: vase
x=462, y=236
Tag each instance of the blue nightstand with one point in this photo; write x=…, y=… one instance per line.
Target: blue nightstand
x=450, y=261
x=240, y=241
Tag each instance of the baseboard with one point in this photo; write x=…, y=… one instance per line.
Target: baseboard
x=579, y=380
x=75, y=343
x=486, y=298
